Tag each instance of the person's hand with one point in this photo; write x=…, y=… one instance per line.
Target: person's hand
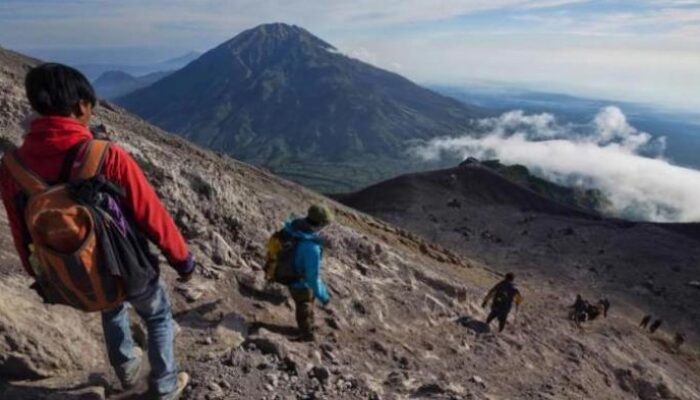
x=326, y=301
x=40, y=291
x=185, y=277
x=35, y=287
x=185, y=269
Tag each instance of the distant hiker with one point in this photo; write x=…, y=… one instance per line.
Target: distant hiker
x=578, y=310
x=678, y=340
x=655, y=326
x=81, y=212
x=594, y=311
x=579, y=303
x=645, y=322
x=294, y=259
x=605, y=303
x=502, y=295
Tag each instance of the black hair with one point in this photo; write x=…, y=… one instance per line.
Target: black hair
x=57, y=89
x=510, y=277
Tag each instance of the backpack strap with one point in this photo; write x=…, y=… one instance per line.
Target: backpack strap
x=30, y=182
x=69, y=162
x=93, y=159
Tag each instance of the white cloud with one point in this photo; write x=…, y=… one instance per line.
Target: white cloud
x=603, y=154
x=537, y=125
x=362, y=54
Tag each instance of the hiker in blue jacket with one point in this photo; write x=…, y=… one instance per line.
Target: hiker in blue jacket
x=307, y=260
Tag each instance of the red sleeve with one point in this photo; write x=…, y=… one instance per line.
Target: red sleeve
x=9, y=191
x=144, y=205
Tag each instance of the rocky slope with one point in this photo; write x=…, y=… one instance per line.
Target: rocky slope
x=402, y=323
x=488, y=216
x=278, y=96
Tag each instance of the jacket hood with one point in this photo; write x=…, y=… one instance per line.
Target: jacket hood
x=51, y=136
x=292, y=227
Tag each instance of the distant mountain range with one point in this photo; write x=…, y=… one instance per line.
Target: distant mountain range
x=93, y=71
x=112, y=84
x=280, y=97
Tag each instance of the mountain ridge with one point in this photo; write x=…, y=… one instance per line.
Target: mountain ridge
x=112, y=84
x=280, y=97
x=484, y=214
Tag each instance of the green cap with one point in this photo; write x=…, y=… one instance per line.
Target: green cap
x=319, y=215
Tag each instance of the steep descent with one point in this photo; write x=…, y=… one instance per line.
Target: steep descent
x=487, y=216
x=403, y=321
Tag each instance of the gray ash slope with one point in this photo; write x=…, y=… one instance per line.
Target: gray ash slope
x=484, y=215
x=392, y=331
x=280, y=97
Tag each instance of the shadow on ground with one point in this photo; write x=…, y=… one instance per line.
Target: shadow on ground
x=474, y=324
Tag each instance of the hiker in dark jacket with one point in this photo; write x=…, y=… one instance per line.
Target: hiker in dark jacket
x=678, y=340
x=645, y=322
x=605, y=303
x=307, y=260
x=579, y=310
x=502, y=297
x=655, y=325
x=65, y=99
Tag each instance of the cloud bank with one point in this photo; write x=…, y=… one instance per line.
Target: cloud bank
x=609, y=154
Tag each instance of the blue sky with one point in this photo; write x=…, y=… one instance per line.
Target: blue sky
x=645, y=51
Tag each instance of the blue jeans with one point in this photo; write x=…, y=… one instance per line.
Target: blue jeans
x=154, y=308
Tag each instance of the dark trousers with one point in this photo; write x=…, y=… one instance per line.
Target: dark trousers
x=304, y=305
x=501, y=315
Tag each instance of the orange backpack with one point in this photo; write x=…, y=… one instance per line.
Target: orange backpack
x=70, y=261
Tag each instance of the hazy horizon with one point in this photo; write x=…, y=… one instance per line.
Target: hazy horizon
x=622, y=50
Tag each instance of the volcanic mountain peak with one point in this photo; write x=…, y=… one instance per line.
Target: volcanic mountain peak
x=280, y=97
x=277, y=33
x=266, y=47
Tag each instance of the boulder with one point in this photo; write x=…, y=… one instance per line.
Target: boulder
x=222, y=254
x=232, y=330
x=62, y=342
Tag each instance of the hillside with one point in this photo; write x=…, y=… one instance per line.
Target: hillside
x=280, y=97
x=399, y=326
x=485, y=215
x=113, y=84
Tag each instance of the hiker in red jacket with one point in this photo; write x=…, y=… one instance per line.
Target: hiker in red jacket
x=64, y=99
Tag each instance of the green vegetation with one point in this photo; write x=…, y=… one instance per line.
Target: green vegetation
x=589, y=199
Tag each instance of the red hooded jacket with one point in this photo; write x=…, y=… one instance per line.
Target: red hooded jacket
x=43, y=151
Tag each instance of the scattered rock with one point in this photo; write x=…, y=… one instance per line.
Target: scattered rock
x=429, y=389
x=89, y=393
x=321, y=373
x=454, y=203
x=215, y=391
x=268, y=343
x=232, y=330
x=222, y=254
x=478, y=380
x=192, y=290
